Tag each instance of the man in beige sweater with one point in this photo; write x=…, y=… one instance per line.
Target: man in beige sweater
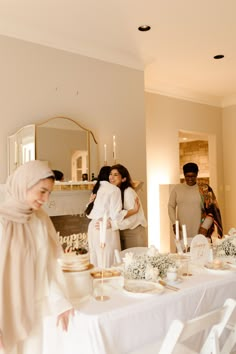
x=194, y=205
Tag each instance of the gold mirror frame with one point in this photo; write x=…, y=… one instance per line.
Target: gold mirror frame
x=55, y=140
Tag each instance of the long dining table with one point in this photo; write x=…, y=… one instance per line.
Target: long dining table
x=127, y=322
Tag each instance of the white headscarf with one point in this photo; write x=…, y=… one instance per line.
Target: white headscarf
x=18, y=254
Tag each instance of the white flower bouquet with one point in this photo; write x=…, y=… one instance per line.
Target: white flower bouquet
x=226, y=247
x=140, y=266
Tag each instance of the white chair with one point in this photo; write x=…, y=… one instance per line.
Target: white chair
x=229, y=345
x=212, y=324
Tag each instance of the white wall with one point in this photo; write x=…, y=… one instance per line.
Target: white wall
x=165, y=116
x=229, y=154
x=39, y=82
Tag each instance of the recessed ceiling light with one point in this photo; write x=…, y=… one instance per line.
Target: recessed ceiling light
x=184, y=138
x=219, y=56
x=144, y=28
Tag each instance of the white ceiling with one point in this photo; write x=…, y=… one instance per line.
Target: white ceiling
x=176, y=55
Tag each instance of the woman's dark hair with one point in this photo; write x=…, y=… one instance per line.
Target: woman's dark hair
x=124, y=174
x=190, y=167
x=58, y=175
x=102, y=176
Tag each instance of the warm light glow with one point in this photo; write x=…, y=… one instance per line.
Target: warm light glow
x=156, y=177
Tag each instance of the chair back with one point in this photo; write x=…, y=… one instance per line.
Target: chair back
x=213, y=322
x=230, y=340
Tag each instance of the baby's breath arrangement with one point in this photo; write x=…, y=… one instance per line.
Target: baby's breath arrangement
x=227, y=247
x=137, y=265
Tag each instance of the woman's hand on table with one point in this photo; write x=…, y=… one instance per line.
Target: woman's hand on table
x=63, y=319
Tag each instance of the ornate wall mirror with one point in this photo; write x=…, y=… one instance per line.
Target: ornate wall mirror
x=61, y=142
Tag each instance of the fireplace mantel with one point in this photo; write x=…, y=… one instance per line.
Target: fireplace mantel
x=73, y=186
x=67, y=202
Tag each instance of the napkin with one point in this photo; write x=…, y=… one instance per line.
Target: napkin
x=151, y=273
x=152, y=251
x=128, y=259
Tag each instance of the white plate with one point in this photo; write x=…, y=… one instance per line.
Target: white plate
x=77, y=268
x=231, y=261
x=142, y=288
x=231, y=264
x=224, y=268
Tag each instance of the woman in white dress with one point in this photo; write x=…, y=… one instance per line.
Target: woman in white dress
x=106, y=200
x=31, y=282
x=133, y=228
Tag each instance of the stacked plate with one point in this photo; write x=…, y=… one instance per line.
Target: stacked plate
x=71, y=262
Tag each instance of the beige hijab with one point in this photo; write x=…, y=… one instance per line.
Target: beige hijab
x=18, y=257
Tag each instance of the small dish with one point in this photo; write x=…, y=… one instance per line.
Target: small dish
x=174, y=282
x=107, y=273
x=142, y=288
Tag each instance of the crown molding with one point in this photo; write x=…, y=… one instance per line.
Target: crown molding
x=187, y=95
x=229, y=101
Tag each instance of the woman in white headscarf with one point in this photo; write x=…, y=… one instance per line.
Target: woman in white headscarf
x=31, y=282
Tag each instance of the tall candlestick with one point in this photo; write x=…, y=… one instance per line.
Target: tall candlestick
x=177, y=230
x=103, y=229
x=114, y=148
x=184, y=230
x=105, y=154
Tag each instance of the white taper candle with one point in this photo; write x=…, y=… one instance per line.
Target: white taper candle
x=177, y=230
x=114, y=147
x=184, y=231
x=105, y=154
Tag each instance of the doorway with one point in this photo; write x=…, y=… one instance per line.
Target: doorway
x=79, y=165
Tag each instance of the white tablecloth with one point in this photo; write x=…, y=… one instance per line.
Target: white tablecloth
x=127, y=322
